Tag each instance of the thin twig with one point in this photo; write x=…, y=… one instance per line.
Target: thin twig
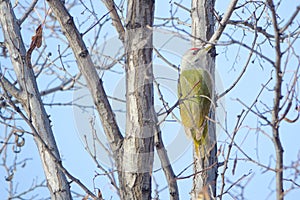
x=27, y=13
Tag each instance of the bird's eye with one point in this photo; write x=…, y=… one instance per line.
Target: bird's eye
x=194, y=50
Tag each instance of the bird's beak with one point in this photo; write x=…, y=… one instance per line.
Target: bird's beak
x=208, y=47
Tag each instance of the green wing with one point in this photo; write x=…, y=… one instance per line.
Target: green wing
x=194, y=91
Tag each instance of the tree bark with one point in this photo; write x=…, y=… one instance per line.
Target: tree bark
x=30, y=99
x=277, y=105
x=138, y=145
x=204, y=182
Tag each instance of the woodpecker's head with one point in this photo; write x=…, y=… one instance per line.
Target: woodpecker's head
x=195, y=58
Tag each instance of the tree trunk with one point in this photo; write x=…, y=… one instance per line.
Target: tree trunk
x=134, y=153
x=138, y=145
x=204, y=183
x=30, y=99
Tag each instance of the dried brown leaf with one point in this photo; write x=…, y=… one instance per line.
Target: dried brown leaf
x=36, y=40
x=86, y=197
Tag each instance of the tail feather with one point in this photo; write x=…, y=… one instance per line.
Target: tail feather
x=200, y=144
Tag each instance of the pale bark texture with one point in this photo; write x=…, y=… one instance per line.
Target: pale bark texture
x=160, y=148
x=138, y=144
x=29, y=97
x=204, y=182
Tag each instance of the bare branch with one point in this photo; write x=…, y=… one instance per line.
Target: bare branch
x=27, y=13
x=291, y=20
x=88, y=70
x=223, y=22
x=276, y=107
x=110, y=4
x=49, y=150
x=166, y=165
x=242, y=72
x=164, y=59
x=10, y=87
x=233, y=41
x=251, y=26
x=181, y=6
x=95, y=24
x=62, y=86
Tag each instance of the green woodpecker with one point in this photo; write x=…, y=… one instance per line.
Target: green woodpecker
x=195, y=93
